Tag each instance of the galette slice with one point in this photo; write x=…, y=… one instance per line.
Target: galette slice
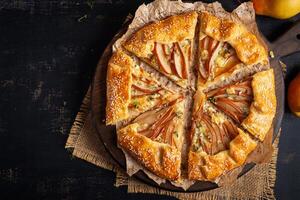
x=155, y=138
x=250, y=102
x=167, y=45
x=131, y=90
x=225, y=46
x=217, y=144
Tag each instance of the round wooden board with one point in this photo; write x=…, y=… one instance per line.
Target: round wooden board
x=108, y=133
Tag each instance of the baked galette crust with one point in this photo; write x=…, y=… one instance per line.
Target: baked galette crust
x=162, y=159
x=118, y=83
x=172, y=29
x=263, y=108
x=248, y=48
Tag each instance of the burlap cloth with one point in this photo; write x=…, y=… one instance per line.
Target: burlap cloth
x=84, y=143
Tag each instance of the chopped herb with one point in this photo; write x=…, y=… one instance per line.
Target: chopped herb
x=202, y=129
x=81, y=19
x=175, y=133
x=212, y=99
x=153, y=86
x=195, y=148
x=231, y=97
x=208, y=138
x=135, y=104
x=227, y=53
x=72, y=157
x=90, y=3
x=150, y=98
x=179, y=114
x=245, y=111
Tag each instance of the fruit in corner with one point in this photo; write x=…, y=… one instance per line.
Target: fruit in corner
x=294, y=95
x=280, y=9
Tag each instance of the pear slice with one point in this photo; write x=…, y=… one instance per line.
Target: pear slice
x=179, y=62
x=144, y=89
x=185, y=61
x=162, y=58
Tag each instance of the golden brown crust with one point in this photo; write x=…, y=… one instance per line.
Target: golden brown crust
x=263, y=108
x=118, y=82
x=172, y=29
x=202, y=166
x=248, y=48
x=162, y=159
x=241, y=147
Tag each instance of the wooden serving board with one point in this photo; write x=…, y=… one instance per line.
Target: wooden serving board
x=287, y=44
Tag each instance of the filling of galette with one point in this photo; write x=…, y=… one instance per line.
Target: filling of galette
x=161, y=124
x=211, y=131
x=214, y=122
x=215, y=57
x=174, y=59
x=233, y=100
x=146, y=92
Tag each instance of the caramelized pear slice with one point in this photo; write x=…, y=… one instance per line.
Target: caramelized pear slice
x=144, y=89
x=162, y=59
x=179, y=62
x=184, y=62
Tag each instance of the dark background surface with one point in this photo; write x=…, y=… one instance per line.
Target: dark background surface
x=47, y=59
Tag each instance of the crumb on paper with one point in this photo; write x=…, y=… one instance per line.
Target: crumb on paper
x=81, y=19
x=283, y=67
x=272, y=54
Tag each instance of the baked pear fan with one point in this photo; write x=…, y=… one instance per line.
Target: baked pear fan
x=234, y=100
x=131, y=90
x=167, y=45
x=223, y=46
x=155, y=138
x=217, y=144
x=250, y=102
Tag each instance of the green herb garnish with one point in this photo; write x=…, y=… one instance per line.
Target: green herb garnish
x=175, y=133
x=150, y=98
x=135, y=104
x=81, y=19
x=195, y=148
x=212, y=99
x=91, y=3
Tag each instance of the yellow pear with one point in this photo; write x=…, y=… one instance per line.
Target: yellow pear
x=281, y=9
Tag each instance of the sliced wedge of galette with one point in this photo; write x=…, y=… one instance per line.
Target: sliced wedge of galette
x=217, y=144
x=167, y=45
x=225, y=46
x=131, y=90
x=250, y=102
x=155, y=138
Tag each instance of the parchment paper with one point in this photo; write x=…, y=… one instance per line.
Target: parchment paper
x=161, y=9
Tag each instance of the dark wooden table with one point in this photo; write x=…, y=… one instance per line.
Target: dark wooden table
x=48, y=52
